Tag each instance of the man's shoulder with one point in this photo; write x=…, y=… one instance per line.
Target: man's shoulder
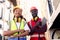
x=30, y=21
x=40, y=18
x=11, y=21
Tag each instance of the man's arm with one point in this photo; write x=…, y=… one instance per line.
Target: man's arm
x=23, y=34
x=26, y=32
x=44, y=28
x=8, y=33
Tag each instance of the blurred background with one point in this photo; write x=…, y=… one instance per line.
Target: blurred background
x=50, y=9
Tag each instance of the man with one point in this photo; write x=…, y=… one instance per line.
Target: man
x=37, y=29
x=18, y=28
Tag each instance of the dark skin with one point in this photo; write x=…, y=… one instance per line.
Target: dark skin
x=34, y=13
x=17, y=13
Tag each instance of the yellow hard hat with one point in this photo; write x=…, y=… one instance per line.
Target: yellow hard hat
x=15, y=7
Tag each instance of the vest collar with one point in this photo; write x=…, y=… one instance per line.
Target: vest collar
x=17, y=19
x=35, y=19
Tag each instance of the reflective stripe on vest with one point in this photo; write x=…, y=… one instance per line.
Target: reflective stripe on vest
x=14, y=27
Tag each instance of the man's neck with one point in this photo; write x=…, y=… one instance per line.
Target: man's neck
x=35, y=18
x=17, y=19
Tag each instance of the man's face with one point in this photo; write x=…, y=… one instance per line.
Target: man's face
x=17, y=12
x=34, y=12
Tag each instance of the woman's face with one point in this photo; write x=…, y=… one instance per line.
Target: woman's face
x=17, y=12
